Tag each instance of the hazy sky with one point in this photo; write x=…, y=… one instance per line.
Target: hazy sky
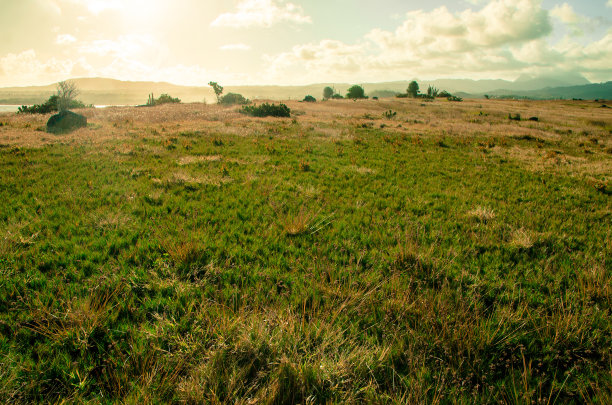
x=301, y=41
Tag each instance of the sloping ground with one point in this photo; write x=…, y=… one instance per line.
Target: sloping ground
x=188, y=253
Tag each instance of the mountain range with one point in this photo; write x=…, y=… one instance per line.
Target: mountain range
x=101, y=91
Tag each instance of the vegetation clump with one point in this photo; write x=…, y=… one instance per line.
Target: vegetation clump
x=328, y=93
x=309, y=99
x=356, y=92
x=49, y=106
x=267, y=110
x=218, y=89
x=233, y=99
x=163, y=99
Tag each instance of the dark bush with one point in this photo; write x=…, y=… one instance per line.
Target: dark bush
x=356, y=92
x=328, y=93
x=337, y=96
x=166, y=99
x=455, y=98
x=233, y=99
x=49, y=106
x=310, y=99
x=267, y=110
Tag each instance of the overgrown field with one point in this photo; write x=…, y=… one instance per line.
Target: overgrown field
x=189, y=253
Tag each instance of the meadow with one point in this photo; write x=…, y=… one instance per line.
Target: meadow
x=191, y=254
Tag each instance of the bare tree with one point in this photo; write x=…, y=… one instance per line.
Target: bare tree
x=67, y=92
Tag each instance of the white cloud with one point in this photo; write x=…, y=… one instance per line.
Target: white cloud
x=566, y=14
x=609, y=3
x=235, y=47
x=25, y=68
x=503, y=39
x=64, y=39
x=262, y=13
x=124, y=45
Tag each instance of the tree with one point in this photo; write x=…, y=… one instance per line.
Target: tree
x=66, y=93
x=328, y=92
x=356, y=92
x=217, y=89
x=413, y=89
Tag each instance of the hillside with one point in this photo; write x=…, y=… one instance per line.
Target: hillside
x=190, y=254
x=116, y=92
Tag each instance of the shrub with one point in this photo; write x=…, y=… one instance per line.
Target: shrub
x=514, y=117
x=454, y=98
x=233, y=99
x=389, y=114
x=328, y=93
x=444, y=94
x=267, y=110
x=310, y=99
x=356, y=92
x=49, y=106
x=163, y=99
x=337, y=96
x=413, y=89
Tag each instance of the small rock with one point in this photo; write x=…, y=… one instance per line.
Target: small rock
x=66, y=121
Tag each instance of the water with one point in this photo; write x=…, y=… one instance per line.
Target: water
x=9, y=108
x=13, y=108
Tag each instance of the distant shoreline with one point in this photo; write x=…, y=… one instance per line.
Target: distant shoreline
x=14, y=107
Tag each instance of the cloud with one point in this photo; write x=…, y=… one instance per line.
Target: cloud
x=25, y=68
x=503, y=39
x=262, y=13
x=566, y=14
x=235, y=47
x=609, y=3
x=124, y=45
x=64, y=39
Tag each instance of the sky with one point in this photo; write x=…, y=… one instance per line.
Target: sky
x=295, y=42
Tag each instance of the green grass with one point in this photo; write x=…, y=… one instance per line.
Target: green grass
x=291, y=267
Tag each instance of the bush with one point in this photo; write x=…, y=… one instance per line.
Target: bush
x=454, y=98
x=356, y=92
x=514, y=117
x=310, y=99
x=328, y=93
x=163, y=99
x=267, y=110
x=166, y=99
x=49, y=106
x=337, y=96
x=233, y=99
x=413, y=89
x=444, y=94
x=389, y=114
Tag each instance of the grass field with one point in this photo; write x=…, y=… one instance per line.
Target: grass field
x=192, y=254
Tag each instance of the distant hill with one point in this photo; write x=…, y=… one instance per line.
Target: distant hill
x=588, y=92
x=101, y=91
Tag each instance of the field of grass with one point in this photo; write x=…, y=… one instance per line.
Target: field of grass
x=188, y=253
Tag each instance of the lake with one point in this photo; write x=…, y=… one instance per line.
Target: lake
x=9, y=108
x=14, y=108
